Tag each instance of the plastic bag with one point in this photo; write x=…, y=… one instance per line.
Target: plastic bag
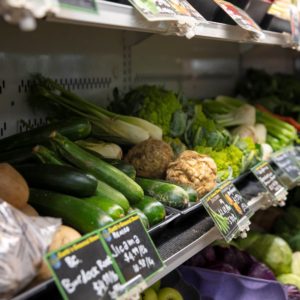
x=23, y=242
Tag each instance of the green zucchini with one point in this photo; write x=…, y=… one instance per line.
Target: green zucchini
x=17, y=156
x=126, y=168
x=112, y=209
x=99, y=168
x=167, y=193
x=105, y=191
x=142, y=216
x=62, y=179
x=153, y=209
x=74, y=212
x=47, y=156
x=74, y=128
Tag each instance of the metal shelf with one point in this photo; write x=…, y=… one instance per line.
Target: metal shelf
x=118, y=16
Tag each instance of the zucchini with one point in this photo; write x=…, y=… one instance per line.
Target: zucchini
x=112, y=209
x=105, y=191
x=47, y=156
x=153, y=209
x=74, y=128
x=63, y=179
x=142, y=216
x=17, y=156
x=99, y=168
x=167, y=193
x=126, y=168
x=74, y=212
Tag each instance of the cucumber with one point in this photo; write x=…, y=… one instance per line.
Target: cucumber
x=126, y=168
x=62, y=179
x=105, y=191
x=167, y=193
x=99, y=168
x=47, y=156
x=74, y=128
x=17, y=156
x=74, y=212
x=154, y=210
x=112, y=209
x=142, y=216
x=192, y=193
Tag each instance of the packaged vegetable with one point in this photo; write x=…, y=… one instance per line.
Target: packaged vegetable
x=24, y=241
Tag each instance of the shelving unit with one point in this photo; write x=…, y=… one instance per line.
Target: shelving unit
x=94, y=60
x=118, y=16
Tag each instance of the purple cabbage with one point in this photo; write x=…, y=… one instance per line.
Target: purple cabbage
x=209, y=255
x=196, y=261
x=260, y=270
x=222, y=267
x=293, y=292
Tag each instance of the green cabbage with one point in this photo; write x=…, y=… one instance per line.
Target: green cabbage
x=290, y=279
x=296, y=263
x=274, y=252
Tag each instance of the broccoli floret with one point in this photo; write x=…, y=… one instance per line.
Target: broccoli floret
x=227, y=160
x=152, y=103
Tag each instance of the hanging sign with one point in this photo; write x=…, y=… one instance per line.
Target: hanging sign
x=104, y=263
x=228, y=209
x=240, y=17
x=288, y=164
x=267, y=177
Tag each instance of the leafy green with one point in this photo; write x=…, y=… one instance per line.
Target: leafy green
x=228, y=160
x=202, y=131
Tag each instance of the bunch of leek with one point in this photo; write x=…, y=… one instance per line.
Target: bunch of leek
x=227, y=111
x=105, y=123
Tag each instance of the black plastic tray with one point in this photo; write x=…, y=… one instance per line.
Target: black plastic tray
x=171, y=215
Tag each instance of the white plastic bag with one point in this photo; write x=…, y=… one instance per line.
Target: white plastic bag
x=23, y=242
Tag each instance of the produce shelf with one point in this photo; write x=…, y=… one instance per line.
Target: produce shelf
x=176, y=245
x=119, y=16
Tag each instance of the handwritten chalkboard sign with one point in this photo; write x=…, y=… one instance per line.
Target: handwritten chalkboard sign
x=100, y=264
x=267, y=177
x=228, y=209
x=288, y=164
x=82, y=5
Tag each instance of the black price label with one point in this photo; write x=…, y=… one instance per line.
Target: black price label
x=227, y=207
x=288, y=163
x=267, y=177
x=100, y=264
x=133, y=252
x=83, y=5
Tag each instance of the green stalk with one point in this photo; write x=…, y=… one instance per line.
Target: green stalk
x=153, y=130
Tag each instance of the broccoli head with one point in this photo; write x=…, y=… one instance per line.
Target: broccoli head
x=149, y=102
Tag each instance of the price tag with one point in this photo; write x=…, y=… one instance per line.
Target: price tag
x=267, y=177
x=288, y=165
x=166, y=10
x=228, y=209
x=82, y=5
x=240, y=17
x=107, y=263
x=295, y=25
